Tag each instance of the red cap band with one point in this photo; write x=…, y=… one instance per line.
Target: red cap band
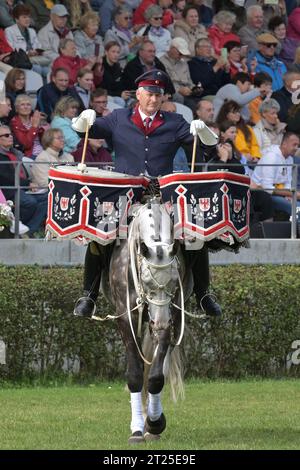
x=157, y=83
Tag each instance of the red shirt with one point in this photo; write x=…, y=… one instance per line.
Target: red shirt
x=72, y=64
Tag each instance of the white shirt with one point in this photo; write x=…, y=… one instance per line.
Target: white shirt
x=144, y=116
x=272, y=177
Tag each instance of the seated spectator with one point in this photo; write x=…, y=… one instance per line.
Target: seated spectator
x=70, y=60
x=291, y=82
x=28, y=127
x=89, y=44
x=272, y=10
x=5, y=109
x=293, y=119
x=253, y=28
x=263, y=81
x=106, y=8
x=5, y=51
x=178, y=71
x=112, y=77
x=15, y=84
x=53, y=144
x=293, y=27
x=99, y=102
x=233, y=7
x=121, y=33
x=205, y=111
x=177, y=8
x=277, y=180
x=286, y=48
x=238, y=62
x=6, y=8
x=49, y=94
x=269, y=130
x=33, y=207
x=207, y=72
x=95, y=153
x=267, y=61
x=83, y=88
x=51, y=34
x=77, y=9
x=153, y=30
x=40, y=12
x=145, y=60
x=65, y=110
x=221, y=31
x=245, y=142
x=189, y=28
x=21, y=36
x=139, y=18
x=205, y=13
x=238, y=91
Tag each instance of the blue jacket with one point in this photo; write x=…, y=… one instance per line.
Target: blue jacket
x=274, y=67
x=136, y=152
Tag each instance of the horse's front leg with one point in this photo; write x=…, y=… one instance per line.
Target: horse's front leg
x=135, y=373
x=156, y=421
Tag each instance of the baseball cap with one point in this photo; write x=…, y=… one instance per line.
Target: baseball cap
x=59, y=10
x=181, y=45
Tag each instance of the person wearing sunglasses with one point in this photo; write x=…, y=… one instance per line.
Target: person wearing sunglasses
x=267, y=62
x=153, y=30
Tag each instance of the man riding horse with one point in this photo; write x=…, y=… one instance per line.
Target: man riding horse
x=145, y=141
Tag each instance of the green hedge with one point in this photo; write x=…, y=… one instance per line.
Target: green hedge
x=260, y=322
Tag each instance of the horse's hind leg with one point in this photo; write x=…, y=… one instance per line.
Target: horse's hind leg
x=135, y=374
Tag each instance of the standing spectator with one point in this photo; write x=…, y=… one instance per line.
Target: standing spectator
x=40, y=12
x=254, y=27
x=178, y=71
x=27, y=126
x=53, y=154
x=207, y=72
x=21, y=36
x=70, y=60
x=291, y=82
x=269, y=130
x=286, y=48
x=267, y=61
x=6, y=8
x=221, y=31
x=49, y=94
x=15, y=84
x=153, y=30
x=83, y=87
x=144, y=61
x=189, y=28
x=65, y=110
x=123, y=34
x=51, y=34
x=139, y=18
x=77, y=9
x=238, y=91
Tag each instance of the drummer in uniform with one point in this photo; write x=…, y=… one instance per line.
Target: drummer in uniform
x=145, y=141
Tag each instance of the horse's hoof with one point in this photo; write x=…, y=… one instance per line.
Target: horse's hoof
x=151, y=437
x=136, y=438
x=156, y=427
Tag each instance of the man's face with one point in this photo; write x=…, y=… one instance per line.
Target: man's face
x=204, y=49
x=205, y=111
x=5, y=108
x=6, y=138
x=147, y=53
x=267, y=50
x=61, y=80
x=290, y=146
x=69, y=49
x=58, y=21
x=24, y=21
x=99, y=104
x=149, y=102
x=256, y=20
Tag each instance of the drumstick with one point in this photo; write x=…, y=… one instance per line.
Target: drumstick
x=194, y=154
x=82, y=165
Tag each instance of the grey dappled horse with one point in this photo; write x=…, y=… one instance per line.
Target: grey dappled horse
x=146, y=278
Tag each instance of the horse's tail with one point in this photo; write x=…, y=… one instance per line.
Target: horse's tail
x=173, y=371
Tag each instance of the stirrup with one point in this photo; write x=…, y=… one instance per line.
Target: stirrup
x=86, y=299
x=208, y=294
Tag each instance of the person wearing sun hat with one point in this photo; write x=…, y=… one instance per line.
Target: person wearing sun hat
x=267, y=62
x=145, y=141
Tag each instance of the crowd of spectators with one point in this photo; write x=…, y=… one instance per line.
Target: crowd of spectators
x=235, y=64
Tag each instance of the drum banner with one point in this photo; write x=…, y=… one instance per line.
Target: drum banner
x=208, y=205
x=90, y=206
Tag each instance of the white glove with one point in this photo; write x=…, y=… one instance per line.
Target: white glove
x=205, y=134
x=86, y=118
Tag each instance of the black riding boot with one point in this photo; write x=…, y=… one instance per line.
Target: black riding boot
x=200, y=268
x=86, y=305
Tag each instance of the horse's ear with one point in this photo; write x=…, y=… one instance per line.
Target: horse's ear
x=144, y=250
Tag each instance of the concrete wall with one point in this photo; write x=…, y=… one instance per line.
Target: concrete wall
x=67, y=253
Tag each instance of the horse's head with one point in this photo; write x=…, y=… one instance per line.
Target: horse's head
x=157, y=262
